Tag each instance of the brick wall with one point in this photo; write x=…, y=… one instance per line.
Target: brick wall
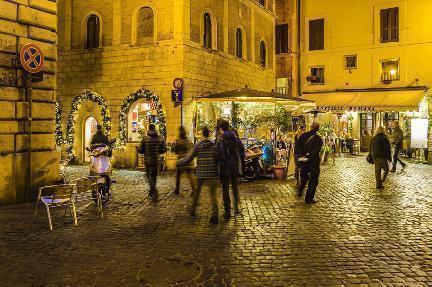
x=22, y=22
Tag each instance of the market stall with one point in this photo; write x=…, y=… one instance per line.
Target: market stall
x=265, y=122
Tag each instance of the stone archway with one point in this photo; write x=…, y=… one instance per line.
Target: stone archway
x=76, y=103
x=129, y=101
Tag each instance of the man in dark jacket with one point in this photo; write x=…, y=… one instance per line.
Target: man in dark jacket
x=99, y=137
x=152, y=146
x=381, y=155
x=309, y=146
x=231, y=156
x=397, y=145
x=206, y=172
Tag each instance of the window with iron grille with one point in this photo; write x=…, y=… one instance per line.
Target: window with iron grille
x=390, y=70
x=389, y=25
x=316, y=76
x=282, y=38
x=316, y=34
x=351, y=62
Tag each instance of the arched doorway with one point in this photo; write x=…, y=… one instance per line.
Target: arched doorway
x=70, y=126
x=138, y=111
x=89, y=129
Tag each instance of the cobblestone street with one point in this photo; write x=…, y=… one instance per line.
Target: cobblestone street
x=354, y=236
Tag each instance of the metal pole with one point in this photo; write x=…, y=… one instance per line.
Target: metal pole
x=28, y=92
x=181, y=114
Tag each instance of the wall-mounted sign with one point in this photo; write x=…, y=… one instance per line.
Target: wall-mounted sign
x=178, y=83
x=419, y=133
x=31, y=58
x=177, y=96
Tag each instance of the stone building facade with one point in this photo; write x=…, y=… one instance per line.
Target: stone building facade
x=21, y=22
x=149, y=43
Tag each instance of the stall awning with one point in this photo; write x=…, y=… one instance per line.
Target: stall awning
x=379, y=100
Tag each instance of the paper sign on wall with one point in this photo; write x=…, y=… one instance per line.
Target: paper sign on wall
x=419, y=133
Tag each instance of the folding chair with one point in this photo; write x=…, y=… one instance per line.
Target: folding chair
x=57, y=196
x=86, y=189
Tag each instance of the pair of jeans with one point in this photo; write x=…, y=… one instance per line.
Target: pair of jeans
x=309, y=174
x=380, y=164
x=396, y=158
x=152, y=173
x=226, y=180
x=211, y=183
x=190, y=176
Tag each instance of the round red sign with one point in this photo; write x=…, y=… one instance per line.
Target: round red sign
x=31, y=58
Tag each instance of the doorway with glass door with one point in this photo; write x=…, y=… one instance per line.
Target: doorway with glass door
x=367, y=128
x=90, y=128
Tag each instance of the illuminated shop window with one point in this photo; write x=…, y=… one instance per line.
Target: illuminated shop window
x=141, y=115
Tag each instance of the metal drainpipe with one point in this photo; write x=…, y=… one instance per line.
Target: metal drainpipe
x=299, y=47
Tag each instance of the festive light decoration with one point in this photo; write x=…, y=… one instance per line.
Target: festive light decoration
x=124, y=111
x=58, y=132
x=76, y=103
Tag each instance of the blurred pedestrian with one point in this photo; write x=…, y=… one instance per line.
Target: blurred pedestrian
x=381, y=155
x=182, y=147
x=152, y=146
x=231, y=156
x=301, y=130
x=397, y=145
x=309, y=148
x=206, y=172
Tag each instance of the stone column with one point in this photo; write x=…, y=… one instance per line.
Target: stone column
x=116, y=22
x=67, y=25
x=225, y=26
x=252, y=37
x=182, y=19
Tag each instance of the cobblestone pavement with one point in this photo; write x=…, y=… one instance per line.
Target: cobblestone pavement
x=354, y=236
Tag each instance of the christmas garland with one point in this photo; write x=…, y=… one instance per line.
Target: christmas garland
x=124, y=111
x=76, y=103
x=58, y=131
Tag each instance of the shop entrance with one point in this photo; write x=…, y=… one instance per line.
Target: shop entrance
x=367, y=128
x=90, y=128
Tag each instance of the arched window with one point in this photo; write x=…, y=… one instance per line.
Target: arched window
x=207, y=31
x=239, y=43
x=145, y=25
x=263, y=54
x=93, y=32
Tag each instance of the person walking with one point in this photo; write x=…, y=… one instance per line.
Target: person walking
x=231, y=157
x=381, y=155
x=152, y=146
x=182, y=148
x=397, y=145
x=206, y=172
x=301, y=130
x=309, y=147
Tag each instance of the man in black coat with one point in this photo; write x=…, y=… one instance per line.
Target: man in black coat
x=381, y=155
x=309, y=147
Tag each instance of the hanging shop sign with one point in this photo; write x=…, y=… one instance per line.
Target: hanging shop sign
x=31, y=58
x=177, y=96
